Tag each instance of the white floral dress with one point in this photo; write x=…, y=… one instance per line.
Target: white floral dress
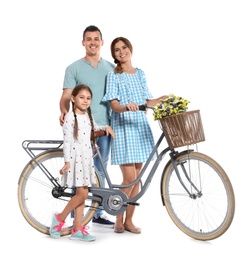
x=78, y=152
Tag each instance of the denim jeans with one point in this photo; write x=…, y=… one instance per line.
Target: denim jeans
x=104, y=144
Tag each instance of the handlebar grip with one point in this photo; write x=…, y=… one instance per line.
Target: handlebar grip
x=142, y=107
x=98, y=133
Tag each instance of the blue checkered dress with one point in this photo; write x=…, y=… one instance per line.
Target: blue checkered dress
x=133, y=140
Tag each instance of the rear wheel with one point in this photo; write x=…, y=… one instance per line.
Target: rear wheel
x=35, y=194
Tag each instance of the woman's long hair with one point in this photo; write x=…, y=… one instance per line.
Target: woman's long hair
x=118, y=68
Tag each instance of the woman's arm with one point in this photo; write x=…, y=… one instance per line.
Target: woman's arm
x=116, y=107
x=153, y=102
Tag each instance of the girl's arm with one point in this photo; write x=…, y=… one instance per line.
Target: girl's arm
x=101, y=129
x=65, y=168
x=110, y=131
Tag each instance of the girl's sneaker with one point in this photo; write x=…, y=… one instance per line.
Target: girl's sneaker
x=56, y=226
x=82, y=234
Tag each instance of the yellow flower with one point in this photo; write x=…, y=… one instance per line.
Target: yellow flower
x=170, y=106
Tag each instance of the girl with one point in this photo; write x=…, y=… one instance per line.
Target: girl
x=78, y=169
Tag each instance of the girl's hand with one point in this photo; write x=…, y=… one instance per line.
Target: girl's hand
x=65, y=168
x=110, y=131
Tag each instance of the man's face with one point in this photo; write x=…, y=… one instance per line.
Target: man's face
x=92, y=43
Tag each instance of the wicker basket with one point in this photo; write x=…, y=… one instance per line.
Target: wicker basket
x=183, y=129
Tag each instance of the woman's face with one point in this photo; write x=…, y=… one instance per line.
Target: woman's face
x=121, y=52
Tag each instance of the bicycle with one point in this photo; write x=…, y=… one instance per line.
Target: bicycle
x=195, y=189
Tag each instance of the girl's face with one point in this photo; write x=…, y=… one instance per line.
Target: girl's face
x=82, y=101
x=122, y=52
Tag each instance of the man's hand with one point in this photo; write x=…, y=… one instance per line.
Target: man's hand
x=61, y=118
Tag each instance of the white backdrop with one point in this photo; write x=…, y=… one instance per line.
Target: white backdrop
x=197, y=49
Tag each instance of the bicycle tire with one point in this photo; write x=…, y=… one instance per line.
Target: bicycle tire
x=204, y=217
x=35, y=198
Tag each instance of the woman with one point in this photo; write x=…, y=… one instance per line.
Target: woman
x=127, y=89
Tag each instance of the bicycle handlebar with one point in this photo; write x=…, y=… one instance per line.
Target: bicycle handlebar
x=141, y=107
x=100, y=133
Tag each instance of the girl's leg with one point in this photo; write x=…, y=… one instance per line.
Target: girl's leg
x=79, y=232
x=78, y=217
x=74, y=203
x=77, y=203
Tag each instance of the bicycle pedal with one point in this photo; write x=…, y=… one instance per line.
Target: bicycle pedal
x=133, y=203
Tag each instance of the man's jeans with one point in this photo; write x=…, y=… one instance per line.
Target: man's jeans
x=104, y=144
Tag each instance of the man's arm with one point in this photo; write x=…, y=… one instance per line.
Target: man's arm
x=64, y=104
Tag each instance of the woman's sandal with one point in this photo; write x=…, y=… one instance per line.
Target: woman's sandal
x=119, y=229
x=134, y=230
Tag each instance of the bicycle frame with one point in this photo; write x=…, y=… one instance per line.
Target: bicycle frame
x=111, y=186
x=106, y=193
x=112, y=198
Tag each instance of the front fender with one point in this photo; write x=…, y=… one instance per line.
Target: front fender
x=164, y=172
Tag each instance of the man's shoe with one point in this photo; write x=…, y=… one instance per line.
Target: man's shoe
x=103, y=220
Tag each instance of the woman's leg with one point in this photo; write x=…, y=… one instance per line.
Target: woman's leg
x=128, y=223
x=130, y=173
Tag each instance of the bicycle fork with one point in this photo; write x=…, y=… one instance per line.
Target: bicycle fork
x=175, y=164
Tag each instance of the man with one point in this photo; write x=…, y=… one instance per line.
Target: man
x=91, y=71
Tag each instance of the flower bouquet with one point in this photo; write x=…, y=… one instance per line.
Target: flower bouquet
x=170, y=106
x=179, y=126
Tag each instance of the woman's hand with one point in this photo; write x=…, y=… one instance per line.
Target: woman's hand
x=153, y=102
x=132, y=107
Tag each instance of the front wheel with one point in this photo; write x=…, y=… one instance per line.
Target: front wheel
x=35, y=198
x=208, y=211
